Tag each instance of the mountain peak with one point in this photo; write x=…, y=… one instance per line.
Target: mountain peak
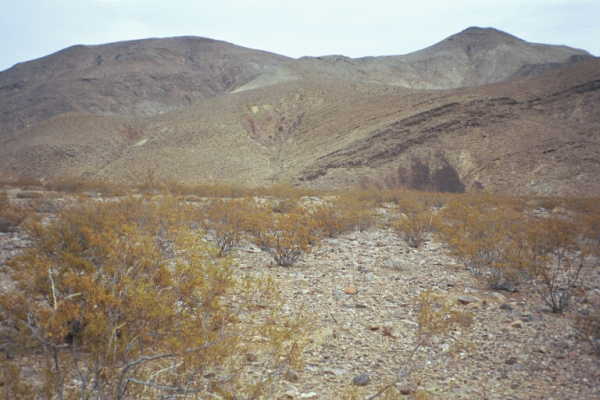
x=488, y=35
x=482, y=30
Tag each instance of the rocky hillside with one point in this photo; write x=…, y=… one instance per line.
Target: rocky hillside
x=480, y=109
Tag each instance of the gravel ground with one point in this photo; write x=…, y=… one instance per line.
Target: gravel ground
x=360, y=293
x=360, y=290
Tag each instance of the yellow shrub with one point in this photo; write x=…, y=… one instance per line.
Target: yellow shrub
x=285, y=236
x=102, y=312
x=226, y=221
x=11, y=216
x=503, y=245
x=343, y=214
x=414, y=228
x=487, y=238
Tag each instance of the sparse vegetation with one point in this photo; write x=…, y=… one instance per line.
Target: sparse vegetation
x=588, y=328
x=415, y=227
x=134, y=296
x=100, y=310
x=287, y=237
x=438, y=318
x=346, y=212
x=11, y=216
x=225, y=222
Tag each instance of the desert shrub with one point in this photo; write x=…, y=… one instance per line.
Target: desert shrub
x=24, y=182
x=11, y=216
x=258, y=222
x=100, y=312
x=589, y=222
x=81, y=184
x=284, y=191
x=559, y=257
x=415, y=227
x=225, y=220
x=485, y=239
x=503, y=245
x=344, y=213
x=285, y=206
x=588, y=328
x=27, y=194
x=210, y=190
x=439, y=318
x=285, y=236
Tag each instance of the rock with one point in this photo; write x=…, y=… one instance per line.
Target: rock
x=291, y=376
x=334, y=371
x=527, y=317
x=517, y=324
x=511, y=361
x=309, y=395
x=409, y=322
x=505, y=286
x=361, y=380
x=393, y=263
x=351, y=290
x=6, y=225
x=467, y=299
x=406, y=390
x=251, y=357
x=498, y=296
x=506, y=307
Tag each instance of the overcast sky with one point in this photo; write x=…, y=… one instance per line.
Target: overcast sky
x=33, y=28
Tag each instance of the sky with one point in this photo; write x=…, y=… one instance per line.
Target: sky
x=31, y=29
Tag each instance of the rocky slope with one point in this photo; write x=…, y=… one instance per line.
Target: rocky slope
x=360, y=294
x=480, y=109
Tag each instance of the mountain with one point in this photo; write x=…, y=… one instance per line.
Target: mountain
x=480, y=109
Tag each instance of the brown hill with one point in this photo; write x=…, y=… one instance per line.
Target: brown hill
x=195, y=109
x=148, y=77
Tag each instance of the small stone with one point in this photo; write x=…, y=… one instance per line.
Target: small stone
x=517, y=324
x=251, y=357
x=361, y=380
x=334, y=371
x=511, y=361
x=309, y=395
x=506, y=307
x=351, y=290
x=6, y=225
x=527, y=317
x=498, y=296
x=506, y=286
x=393, y=263
x=467, y=299
x=291, y=376
x=409, y=322
x=406, y=390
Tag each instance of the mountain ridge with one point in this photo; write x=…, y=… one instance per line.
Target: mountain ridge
x=198, y=109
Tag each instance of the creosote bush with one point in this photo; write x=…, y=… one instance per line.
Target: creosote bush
x=414, y=227
x=503, y=245
x=287, y=237
x=11, y=216
x=559, y=257
x=101, y=309
x=226, y=221
x=342, y=214
x=486, y=238
x=441, y=324
x=588, y=328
